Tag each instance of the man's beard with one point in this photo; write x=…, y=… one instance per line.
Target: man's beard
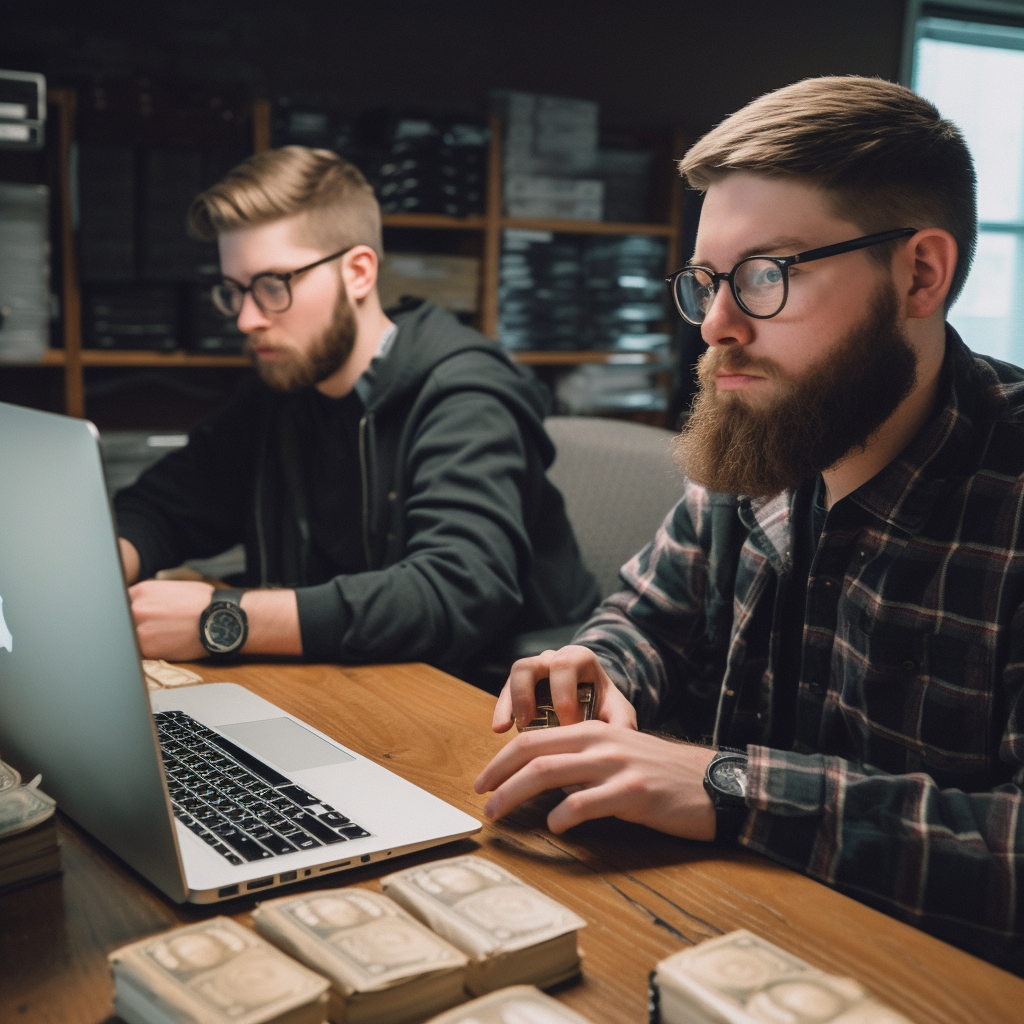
x=819, y=419
x=293, y=370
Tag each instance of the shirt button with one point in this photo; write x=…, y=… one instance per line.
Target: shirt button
x=910, y=666
x=730, y=693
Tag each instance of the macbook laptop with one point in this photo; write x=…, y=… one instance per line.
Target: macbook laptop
x=242, y=796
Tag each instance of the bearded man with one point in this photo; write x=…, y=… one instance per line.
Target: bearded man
x=386, y=475
x=833, y=614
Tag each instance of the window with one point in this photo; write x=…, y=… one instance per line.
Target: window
x=973, y=71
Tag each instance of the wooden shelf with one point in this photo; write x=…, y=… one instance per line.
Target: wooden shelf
x=433, y=220
x=588, y=227
x=578, y=358
x=133, y=357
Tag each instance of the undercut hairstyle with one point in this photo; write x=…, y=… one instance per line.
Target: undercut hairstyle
x=339, y=206
x=883, y=155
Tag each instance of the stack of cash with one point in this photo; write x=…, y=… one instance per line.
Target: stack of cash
x=511, y=933
x=28, y=832
x=214, y=972
x=384, y=966
x=740, y=978
x=519, y=1004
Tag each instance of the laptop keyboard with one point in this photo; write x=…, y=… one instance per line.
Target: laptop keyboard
x=238, y=804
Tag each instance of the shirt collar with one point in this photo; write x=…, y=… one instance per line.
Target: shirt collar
x=364, y=384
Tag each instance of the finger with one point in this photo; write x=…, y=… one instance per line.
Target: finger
x=522, y=681
x=540, y=775
x=568, y=669
x=502, y=720
x=615, y=709
x=525, y=747
x=599, y=801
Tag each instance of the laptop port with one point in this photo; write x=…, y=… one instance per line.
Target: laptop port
x=332, y=867
x=288, y=876
x=261, y=883
x=228, y=890
x=365, y=859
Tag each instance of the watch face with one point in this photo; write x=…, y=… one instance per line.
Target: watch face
x=730, y=776
x=224, y=629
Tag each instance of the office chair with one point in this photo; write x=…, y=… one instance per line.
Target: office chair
x=619, y=481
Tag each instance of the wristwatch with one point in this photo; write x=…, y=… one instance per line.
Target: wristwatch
x=725, y=781
x=223, y=626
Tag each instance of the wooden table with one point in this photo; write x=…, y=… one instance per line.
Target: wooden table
x=645, y=895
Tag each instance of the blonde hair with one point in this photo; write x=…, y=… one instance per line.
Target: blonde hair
x=882, y=154
x=340, y=207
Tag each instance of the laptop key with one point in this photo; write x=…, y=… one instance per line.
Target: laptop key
x=317, y=828
x=299, y=795
x=354, y=831
x=248, y=848
x=334, y=819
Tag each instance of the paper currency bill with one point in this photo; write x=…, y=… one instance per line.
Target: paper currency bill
x=360, y=939
x=160, y=674
x=218, y=971
x=745, y=979
x=481, y=903
x=517, y=1004
x=22, y=808
x=9, y=778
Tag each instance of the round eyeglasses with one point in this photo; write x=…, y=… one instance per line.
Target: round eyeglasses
x=271, y=291
x=759, y=284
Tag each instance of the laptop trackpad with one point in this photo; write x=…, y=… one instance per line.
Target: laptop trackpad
x=286, y=744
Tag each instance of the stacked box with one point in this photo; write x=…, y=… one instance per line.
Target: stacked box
x=24, y=271
x=572, y=292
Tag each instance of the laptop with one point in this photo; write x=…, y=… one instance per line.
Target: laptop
x=244, y=797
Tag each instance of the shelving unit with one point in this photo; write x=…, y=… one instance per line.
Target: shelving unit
x=73, y=358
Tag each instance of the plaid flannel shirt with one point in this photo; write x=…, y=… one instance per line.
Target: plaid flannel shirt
x=903, y=785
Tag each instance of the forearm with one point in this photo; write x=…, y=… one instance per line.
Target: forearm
x=273, y=622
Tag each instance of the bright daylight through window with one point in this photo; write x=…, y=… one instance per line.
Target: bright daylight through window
x=974, y=73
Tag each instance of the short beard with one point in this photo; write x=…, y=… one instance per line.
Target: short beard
x=294, y=370
x=820, y=419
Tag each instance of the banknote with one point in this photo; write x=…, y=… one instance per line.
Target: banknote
x=9, y=778
x=741, y=978
x=480, y=907
x=22, y=808
x=517, y=1004
x=359, y=939
x=160, y=674
x=216, y=972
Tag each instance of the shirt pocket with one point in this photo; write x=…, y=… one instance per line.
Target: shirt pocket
x=919, y=692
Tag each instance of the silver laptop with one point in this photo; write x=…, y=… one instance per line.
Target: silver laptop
x=245, y=797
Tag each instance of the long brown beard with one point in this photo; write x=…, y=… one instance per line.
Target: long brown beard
x=294, y=370
x=818, y=420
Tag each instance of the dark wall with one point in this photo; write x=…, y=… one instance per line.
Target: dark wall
x=650, y=63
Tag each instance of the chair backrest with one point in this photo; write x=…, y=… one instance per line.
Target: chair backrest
x=619, y=481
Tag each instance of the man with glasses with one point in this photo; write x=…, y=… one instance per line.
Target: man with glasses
x=386, y=474
x=833, y=614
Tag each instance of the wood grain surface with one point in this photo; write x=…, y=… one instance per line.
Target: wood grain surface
x=643, y=894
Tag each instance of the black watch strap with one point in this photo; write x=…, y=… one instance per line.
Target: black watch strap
x=232, y=598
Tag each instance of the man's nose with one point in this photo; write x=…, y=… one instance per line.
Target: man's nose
x=725, y=323
x=250, y=316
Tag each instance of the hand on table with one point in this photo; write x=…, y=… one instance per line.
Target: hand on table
x=564, y=668
x=615, y=771
x=166, y=614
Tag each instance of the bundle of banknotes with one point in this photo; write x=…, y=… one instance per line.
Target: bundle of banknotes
x=511, y=933
x=740, y=978
x=518, y=1004
x=384, y=966
x=214, y=972
x=28, y=831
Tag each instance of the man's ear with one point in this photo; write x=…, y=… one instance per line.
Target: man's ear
x=925, y=267
x=359, y=271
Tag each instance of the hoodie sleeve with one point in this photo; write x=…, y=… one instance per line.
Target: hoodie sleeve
x=457, y=585
x=193, y=502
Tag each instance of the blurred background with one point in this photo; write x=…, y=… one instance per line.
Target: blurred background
x=522, y=153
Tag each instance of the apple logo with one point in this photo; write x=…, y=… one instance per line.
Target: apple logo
x=6, y=640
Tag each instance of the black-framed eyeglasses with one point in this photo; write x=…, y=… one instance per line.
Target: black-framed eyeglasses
x=759, y=284
x=271, y=291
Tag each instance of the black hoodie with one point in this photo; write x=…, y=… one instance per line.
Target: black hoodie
x=465, y=539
